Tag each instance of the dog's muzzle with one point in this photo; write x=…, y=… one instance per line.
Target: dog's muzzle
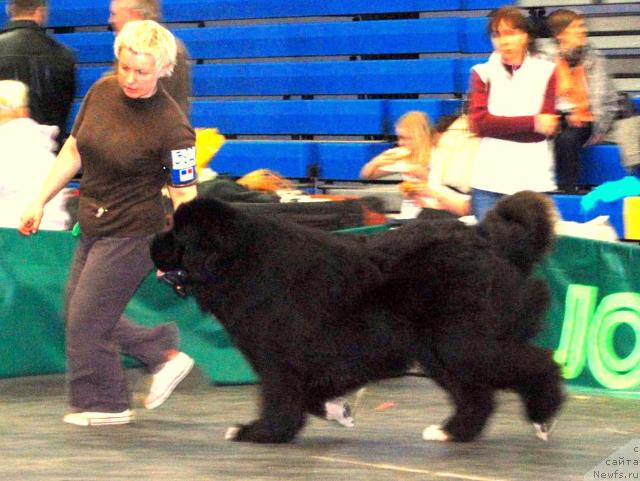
x=178, y=280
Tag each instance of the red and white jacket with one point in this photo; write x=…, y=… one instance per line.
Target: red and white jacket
x=503, y=105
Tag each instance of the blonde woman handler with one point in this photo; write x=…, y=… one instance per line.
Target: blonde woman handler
x=131, y=139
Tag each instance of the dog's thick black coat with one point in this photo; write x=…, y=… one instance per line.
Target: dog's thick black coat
x=319, y=315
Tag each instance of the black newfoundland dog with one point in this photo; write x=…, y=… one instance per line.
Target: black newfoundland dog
x=318, y=315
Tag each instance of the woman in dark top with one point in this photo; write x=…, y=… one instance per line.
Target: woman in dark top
x=130, y=139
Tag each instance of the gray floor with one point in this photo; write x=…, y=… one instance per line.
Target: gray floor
x=183, y=439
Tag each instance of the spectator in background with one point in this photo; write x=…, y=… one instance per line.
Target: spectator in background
x=447, y=187
x=179, y=84
x=586, y=96
x=410, y=157
x=512, y=109
x=131, y=139
x=27, y=154
x=28, y=54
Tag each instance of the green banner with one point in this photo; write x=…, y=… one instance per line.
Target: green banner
x=33, y=273
x=594, y=321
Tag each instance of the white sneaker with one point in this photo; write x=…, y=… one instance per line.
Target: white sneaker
x=338, y=409
x=166, y=378
x=89, y=418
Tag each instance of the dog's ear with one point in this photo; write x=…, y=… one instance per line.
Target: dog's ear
x=199, y=227
x=165, y=252
x=206, y=217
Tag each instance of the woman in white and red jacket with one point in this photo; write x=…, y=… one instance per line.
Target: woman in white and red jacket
x=512, y=108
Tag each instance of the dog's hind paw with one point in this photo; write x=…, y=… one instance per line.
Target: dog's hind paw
x=339, y=410
x=231, y=433
x=435, y=433
x=543, y=430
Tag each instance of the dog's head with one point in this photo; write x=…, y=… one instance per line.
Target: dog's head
x=196, y=239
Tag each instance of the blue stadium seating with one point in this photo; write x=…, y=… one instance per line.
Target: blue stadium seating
x=601, y=163
x=312, y=117
x=79, y=13
x=484, y=4
x=337, y=160
x=323, y=38
x=305, y=117
x=89, y=47
x=570, y=210
x=433, y=75
x=228, y=95
x=71, y=13
x=197, y=10
x=292, y=39
x=473, y=35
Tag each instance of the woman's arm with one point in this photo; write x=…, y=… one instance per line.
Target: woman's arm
x=65, y=167
x=374, y=169
x=449, y=199
x=518, y=128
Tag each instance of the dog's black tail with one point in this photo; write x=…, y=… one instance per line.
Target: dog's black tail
x=520, y=228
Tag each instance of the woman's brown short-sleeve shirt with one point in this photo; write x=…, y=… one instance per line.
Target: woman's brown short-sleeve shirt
x=129, y=150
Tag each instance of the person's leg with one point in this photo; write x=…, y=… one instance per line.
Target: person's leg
x=567, y=146
x=157, y=349
x=148, y=345
x=110, y=272
x=482, y=201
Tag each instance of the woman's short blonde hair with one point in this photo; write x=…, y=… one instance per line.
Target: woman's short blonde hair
x=148, y=36
x=13, y=95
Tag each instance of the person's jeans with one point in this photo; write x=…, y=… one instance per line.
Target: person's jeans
x=567, y=146
x=482, y=201
x=105, y=275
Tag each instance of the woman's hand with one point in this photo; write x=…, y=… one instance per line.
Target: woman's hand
x=30, y=219
x=546, y=124
x=413, y=189
x=574, y=121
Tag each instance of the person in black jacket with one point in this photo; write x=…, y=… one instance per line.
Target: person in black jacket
x=28, y=54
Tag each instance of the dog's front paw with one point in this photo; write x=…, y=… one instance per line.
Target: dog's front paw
x=435, y=433
x=259, y=432
x=543, y=430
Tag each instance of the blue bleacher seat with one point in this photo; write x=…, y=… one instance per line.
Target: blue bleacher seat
x=66, y=13
x=485, y=4
x=601, y=163
x=570, y=210
x=79, y=13
x=292, y=39
x=312, y=117
x=304, y=117
x=337, y=160
x=433, y=75
x=323, y=38
x=199, y=10
x=89, y=47
x=473, y=35
x=71, y=13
